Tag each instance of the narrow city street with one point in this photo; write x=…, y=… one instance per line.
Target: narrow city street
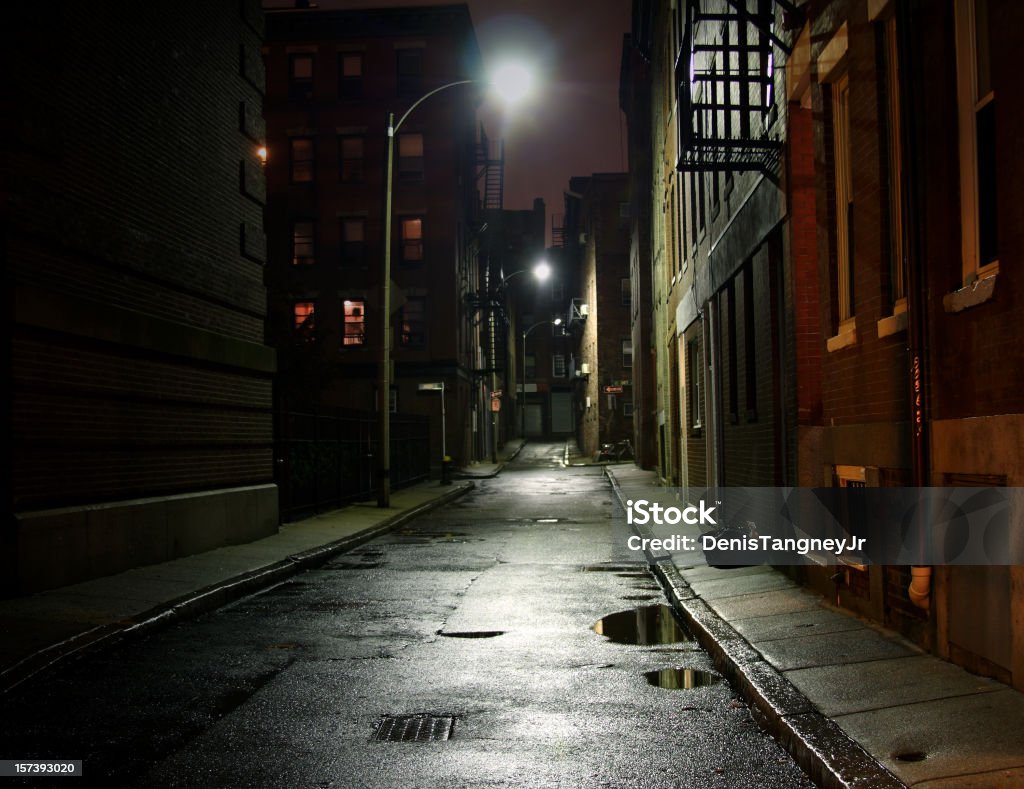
x=472, y=627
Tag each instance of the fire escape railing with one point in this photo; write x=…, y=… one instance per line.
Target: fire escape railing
x=725, y=77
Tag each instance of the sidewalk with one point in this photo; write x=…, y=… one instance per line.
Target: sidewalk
x=45, y=628
x=485, y=470
x=854, y=703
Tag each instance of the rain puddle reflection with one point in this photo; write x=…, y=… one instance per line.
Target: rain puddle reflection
x=681, y=678
x=645, y=625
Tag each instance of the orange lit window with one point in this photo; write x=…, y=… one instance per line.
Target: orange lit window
x=355, y=322
x=303, y=312
x=350, y=75
x=410, y=157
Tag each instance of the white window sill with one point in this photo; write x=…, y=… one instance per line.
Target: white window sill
x=846, y=337
x=895, y=323
x=972, y=294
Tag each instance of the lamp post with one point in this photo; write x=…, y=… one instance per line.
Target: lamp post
x=513, y=83
x=526, y=332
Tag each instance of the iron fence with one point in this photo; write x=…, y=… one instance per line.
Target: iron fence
x=326, y=457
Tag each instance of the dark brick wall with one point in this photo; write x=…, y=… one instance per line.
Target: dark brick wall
x=130, y=166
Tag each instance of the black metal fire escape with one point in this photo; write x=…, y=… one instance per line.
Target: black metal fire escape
x=725, y=76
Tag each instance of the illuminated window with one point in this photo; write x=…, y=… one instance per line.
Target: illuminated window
x=351, y=159
x=977, y=124
x=303, y=314
x=895, y=169
x=558, y=365
x=301, y=160
x=354, y=312
x=410, y=157
x=414, y=325
x=412, y=239
x=353, y=241
x=303, y=243
x=350, y=75
x=627, y=352
x=410, y=70
x=300, y=86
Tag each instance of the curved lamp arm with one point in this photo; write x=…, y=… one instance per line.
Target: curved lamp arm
x=394, y=129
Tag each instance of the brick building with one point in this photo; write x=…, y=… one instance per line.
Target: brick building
x=332, y=78
x=138, y=426
x=833, y=295
x=604, y=395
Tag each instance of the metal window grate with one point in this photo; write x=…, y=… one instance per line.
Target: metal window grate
x=414, y=728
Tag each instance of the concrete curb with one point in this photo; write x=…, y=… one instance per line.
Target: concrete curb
x=497, y=471
x=208, y=598
x=823, y=750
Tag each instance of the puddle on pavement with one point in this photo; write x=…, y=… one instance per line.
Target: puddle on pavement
x=613, y=568
x=681, y=678
x=910, y=756
x=646, y=625
x=472, y=633
x=639, y=597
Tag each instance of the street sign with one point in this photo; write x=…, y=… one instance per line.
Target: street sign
x=431, y=387
x=497, y=393
x=613, y=390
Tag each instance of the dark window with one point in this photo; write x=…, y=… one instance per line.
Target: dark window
x=354, y=311
x=530, y=370
x=414, y=323
x=350, y=75
x=301, y=160
x=410, y=157
x=749, y=349
x=627, y=352
x=627, y=292
x=351, y=159
x=303, y=242
x=300, y=71
x=734, y=375
x=353, y=241
x=410, y=70
x=412, y=239
x=694, y=373
x=558, y=365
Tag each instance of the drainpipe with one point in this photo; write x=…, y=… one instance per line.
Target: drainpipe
x=919, y=590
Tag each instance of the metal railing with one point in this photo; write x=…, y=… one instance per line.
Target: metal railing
x=325, y=457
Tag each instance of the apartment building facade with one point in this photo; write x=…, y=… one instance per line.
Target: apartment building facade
x=832, y=298
x=332, y=79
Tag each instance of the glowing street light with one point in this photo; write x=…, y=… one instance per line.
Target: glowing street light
x=511, y=83
x=555, y=322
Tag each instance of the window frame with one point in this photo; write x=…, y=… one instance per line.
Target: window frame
x=351, y=170
x=305, y=260
x=411, y=168
x=358, y=339
x=301, y=88
x=405, y=243
x=627, y=354
x=293, y=161
x=352, y=252
x=411, y=83
x=350, y=87
x=407, y=337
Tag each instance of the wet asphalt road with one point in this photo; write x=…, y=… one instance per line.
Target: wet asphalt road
x=287, y=688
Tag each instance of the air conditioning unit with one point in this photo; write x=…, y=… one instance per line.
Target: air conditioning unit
x=584, y=310
x=584, y=369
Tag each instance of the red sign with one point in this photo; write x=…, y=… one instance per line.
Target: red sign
x=613, y=390
x=495, y=404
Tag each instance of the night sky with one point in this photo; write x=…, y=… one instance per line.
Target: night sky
x=572, y=125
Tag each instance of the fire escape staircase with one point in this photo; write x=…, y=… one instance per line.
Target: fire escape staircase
x=490, y=163
x=725, y=73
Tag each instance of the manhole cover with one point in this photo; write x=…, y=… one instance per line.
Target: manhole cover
x=414, y=728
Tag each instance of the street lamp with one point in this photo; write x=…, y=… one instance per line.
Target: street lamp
x=526, y=332
x=512, y=82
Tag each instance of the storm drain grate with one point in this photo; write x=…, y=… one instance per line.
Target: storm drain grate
x=414, y=728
